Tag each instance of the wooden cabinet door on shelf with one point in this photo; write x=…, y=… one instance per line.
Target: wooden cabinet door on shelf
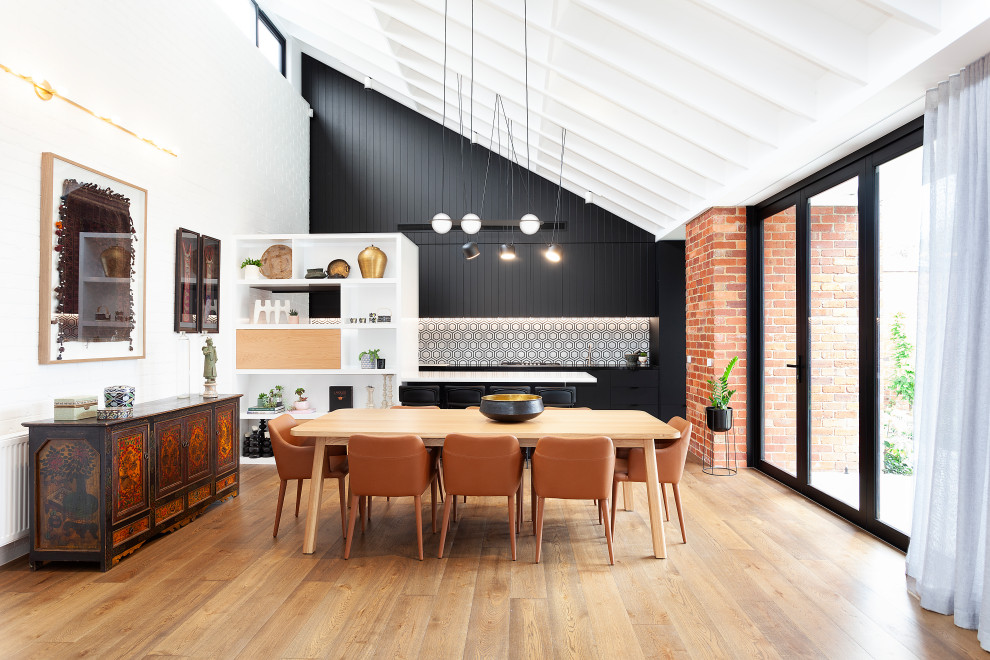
x=226, y=445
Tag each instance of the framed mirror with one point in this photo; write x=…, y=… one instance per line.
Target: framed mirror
x=93, y=229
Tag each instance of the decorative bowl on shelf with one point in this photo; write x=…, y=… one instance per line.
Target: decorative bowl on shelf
x=511, y=407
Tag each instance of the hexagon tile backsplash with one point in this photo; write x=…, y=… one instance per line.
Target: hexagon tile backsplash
x=489, y=342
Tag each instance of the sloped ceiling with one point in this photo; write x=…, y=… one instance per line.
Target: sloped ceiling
x=670, y=106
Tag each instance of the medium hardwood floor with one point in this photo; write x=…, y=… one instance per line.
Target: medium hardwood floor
x=765, y=574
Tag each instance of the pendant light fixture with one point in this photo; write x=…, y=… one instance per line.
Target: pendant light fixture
x=470, y=250
x=441, y=222
x=553, y=252
x=529, y=223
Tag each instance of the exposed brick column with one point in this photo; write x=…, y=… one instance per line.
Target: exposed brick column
x=715, y=257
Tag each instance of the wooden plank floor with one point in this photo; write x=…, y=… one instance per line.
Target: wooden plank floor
x=764, y=574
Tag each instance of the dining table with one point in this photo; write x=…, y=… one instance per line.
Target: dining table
x=626, y=428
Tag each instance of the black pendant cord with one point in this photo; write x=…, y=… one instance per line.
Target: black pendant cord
x=491, y=139
x=471, y=129
x=460, y=132
x=560, y=183
x=443, y=127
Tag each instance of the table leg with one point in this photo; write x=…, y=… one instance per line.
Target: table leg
x=653, y=497
x=627, y=495
x=316, y=495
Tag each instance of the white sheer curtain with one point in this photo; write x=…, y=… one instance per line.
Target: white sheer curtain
x=948, y=558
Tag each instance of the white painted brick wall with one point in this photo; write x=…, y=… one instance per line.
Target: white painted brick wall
x=180, y=73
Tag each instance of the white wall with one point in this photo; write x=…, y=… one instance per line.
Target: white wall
x=180, y=73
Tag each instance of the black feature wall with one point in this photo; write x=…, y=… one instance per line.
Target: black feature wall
x=375, y=166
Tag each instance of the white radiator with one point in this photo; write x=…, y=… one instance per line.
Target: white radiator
x=14, y=467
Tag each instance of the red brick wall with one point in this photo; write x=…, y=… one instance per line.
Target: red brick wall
x=716, y=315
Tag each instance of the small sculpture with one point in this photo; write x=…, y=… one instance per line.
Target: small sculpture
x=210, y=370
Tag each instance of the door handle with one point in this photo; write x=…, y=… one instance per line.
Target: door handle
x=796, y=366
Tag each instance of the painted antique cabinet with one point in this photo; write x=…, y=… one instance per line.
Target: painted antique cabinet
x=100, y=489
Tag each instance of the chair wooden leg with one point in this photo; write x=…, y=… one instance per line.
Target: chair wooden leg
x=440, y=481
x=603, y=507
x=615, y=492
x=298, y=495
x=663, y=494
x=278, y=509
x=447, y=506
x=343, y=507
x=433, y=505
x=419, y=524
x=350, y=525
x=680, y=514
x=512, y=524
x=539, y=525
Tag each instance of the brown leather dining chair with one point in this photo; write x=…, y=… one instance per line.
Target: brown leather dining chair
x=294, y=460
x=486, y=466
x=390, y=466
x=573, y=469
x=435, y=452
x=671, y=457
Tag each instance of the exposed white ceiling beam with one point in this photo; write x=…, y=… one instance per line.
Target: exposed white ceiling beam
x=923, y=14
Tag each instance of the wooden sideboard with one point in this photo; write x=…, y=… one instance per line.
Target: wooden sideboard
x=100, y=489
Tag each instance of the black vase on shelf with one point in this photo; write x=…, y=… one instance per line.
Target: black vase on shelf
x=718, y=420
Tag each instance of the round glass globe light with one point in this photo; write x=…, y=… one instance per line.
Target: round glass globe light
x=470, y=224
x=529, y=224
x=441, y=223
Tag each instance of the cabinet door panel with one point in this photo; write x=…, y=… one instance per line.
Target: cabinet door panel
x=226, y=444
x=130, y=471
x=169, y=448
x=196, y=432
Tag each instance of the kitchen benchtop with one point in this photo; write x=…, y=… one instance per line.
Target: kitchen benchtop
x=512, y=375
x=529, y=367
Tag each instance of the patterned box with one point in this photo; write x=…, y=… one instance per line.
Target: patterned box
x=80, y=406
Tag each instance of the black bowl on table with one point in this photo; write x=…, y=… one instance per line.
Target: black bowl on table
x=511, y=407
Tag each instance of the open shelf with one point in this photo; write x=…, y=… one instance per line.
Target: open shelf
x=316, y=326
x=330, y=372
x=304, y=285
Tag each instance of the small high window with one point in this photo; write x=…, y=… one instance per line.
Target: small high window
x=257, y=27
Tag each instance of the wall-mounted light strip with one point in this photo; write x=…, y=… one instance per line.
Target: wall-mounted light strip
x=46, y=92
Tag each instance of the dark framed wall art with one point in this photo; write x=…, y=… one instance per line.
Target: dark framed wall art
x=209, y=270
x=187, y=280
x=92, y=285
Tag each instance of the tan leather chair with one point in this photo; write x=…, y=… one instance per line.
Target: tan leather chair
x=573, y=469
x=532, y=493
x=488, y=466
x=671, y=457
x=294, y=460
x=390, y=466
x=434, y=451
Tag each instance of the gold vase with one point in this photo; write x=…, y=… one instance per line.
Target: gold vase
x=116, y=262
x=372, y=262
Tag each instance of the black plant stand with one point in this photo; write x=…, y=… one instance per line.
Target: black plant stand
x=730, y=466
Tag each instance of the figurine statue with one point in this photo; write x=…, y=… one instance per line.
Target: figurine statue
x=210, y=369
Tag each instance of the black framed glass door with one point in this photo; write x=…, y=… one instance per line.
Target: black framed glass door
x=819, y=334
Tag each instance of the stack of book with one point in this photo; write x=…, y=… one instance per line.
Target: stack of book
x=266, y=409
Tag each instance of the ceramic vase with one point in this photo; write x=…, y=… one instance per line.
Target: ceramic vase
x=372, y=262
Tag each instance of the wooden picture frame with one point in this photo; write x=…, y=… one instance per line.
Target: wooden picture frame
x=187, y=280
x=209, y=284
x=93, y=251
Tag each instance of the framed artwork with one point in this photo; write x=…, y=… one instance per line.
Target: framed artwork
x=187, y=280
x=209, y=269
x=92, y=285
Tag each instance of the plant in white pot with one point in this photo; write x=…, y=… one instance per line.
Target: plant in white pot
x=369, y=358
x=302, y=402
x=718, y=416
x=251, y=268
x=293, y=316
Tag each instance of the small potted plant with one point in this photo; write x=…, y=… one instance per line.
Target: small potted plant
x=302, y=403
x=643, y=358
x=293, y=316
x=263, y=400
x=718, y=416
x=275, y=396
x=369, y=358
x=251, y=268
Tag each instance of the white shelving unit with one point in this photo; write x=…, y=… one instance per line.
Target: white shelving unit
x=397, y=292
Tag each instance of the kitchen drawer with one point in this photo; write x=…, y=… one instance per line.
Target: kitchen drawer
x=651, y=408
x=624, y=396
x=636, y=377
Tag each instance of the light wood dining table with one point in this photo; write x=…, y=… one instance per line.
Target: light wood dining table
x=626, y=428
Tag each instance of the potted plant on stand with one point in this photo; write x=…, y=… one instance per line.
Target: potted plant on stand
x=718, y=416
x=302, y=402
x=293, y=316
x=251, y=268
x=369, y=358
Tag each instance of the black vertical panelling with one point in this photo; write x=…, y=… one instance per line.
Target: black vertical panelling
x=376, y=165
x=670, y=282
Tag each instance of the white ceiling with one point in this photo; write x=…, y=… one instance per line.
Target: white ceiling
x=670, y=106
